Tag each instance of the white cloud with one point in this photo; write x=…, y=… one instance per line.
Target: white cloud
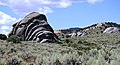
x=26, y=6
x=94, y=1
x=65, y=3
x=5, y=19
x=5, y=22
x=5, y=27
x=45, y=10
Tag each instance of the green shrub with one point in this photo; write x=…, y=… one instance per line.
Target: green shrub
x=12, y=61
x=74, y=45
x=3, y=37
x=68, y=41
x=1, y=63
x=28, y=57
x=14, y=39
x=59, y=42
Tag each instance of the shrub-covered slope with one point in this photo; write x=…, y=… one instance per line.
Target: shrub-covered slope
x=100, y=49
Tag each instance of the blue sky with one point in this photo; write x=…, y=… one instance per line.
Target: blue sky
x=61, y=14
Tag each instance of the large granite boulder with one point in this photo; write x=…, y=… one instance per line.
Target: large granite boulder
x=112, y=30
x=34, y=27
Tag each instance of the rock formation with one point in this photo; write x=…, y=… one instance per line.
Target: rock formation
x=34, y=27
x=112, y=30
x=94, y=29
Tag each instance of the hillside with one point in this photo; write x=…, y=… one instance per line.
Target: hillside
x=89, y=30
x=100, y=49
x=94, y=48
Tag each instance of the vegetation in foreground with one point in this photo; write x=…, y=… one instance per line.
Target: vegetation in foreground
x=99, y=49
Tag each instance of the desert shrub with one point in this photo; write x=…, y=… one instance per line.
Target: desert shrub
x=117, y=42
x=57, y=62
x=28, y=57
x=68, y=41
x=3, y=37
x=79, y=41
x=77, y=51
x=74, y=45
x=1, y=63
x=80, y=52
x=14, y=39
x=59, y=42
x=12, y=61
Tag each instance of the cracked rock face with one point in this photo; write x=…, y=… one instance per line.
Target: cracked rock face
x=34, y=27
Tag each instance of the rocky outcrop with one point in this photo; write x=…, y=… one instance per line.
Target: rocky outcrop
x=34, y=27
x=112, y=30
x=77, y=34
x=57, y=31
x=98, y=28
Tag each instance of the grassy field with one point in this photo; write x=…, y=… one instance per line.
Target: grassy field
x=99, y=49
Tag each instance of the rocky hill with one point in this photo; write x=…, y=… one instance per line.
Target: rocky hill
x=92, y=29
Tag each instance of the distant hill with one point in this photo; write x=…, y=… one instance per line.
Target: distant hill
x=97, y=28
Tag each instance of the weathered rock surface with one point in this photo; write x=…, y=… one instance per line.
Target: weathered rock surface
x=77, y=34
x=112, y=30
x=34, y=27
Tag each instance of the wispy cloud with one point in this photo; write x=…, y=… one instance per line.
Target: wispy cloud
x=4, y=18
x=26, y=6
x=94, y=1
x=5, y=22
x=64, y=3
x=5, y=27
x=45, y=10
